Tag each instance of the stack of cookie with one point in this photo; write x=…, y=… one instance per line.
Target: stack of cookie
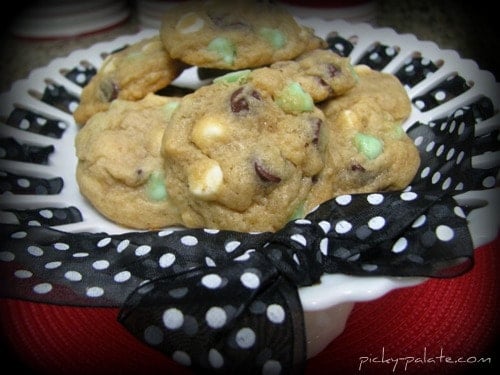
x=287, y=125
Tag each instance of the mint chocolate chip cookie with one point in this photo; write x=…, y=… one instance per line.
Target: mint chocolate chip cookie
x=129, y=74
x=241, y=155
x=120, y=170
x=234, y=35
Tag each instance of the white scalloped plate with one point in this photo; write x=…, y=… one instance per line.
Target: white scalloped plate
x=328, y=304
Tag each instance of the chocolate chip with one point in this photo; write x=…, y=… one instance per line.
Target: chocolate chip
x=239, y=100
x=358, y=167
x=316, y=124
x=332, y=70
x=264, y=174
x=108, y=90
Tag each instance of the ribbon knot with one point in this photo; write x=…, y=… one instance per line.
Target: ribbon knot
x=231, y=318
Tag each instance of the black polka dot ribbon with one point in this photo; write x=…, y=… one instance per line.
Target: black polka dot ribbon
x=227, y=302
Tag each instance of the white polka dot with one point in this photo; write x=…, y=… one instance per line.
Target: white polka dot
x=418, y=141
x=166, y=232
x=48, y=214
x=430, y=146
x=323, y=246
x=450, y=153
x=100, y=264
x=216, y=317
x=296, y=259
x=211, y=231
x=460, y=186
x=19, y=235
x=299, y=238
x=419, y=221
x=73, y=106
x=173, y=318
x=445, y=233
x=343, y=226
x=460, y=157
x=210, y=262
x=23, y=182
x=211, y=281
x=390, y=51
x=420, y=104
x=142, y=250
x=369, y=267
x=61, y=125
x=250, y=280
x=245, y=338
x=400, y=245
x=275, y=313
x=459, y=212
x=425, y=172
x=53, y=265
x=343, y=200
x=440, y=150
x=24, y=124
x=271, y=367
x=73, y=276
x=181, y=357
x=374, y=56
x=339, y=46
x=440, y=95
x=409, y=68
x=42, y=288
x=303, y=221
x=215, y=358
x=95, y=292
x=452, y=127
x=436, y=177
x=122, y=276
x=34, y=223
x=80, y=255
x=325, y=225
x=375, y=199
x=104, y=242
x=23, y=274
x=35, y=251
x=7, y=256
x=166, y=260
x=461, y=128
x=231, y=246
x=189, y=240
x=122, y=245
x=446, y=184
x=408, y=196
x=61, y=246
x=153, y=335
x=489, y=182
x=376, y=223
x=80, y=78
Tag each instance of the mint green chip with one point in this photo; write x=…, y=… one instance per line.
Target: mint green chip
x=224, y=48
x=239, y=76
x=169, y=109
x=293, y=98
x=298, y=213
x=368, y=145
x=156, y=189
x=274, y=36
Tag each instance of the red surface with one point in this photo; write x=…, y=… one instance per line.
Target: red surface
x=425, y=328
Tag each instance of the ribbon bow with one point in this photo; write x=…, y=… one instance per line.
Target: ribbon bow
x=223, y=301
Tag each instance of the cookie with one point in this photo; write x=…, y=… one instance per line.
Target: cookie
x=234, y=35
x=382, y=88
x=321, y=72
x=368, y=151
x=130, y=74
x=241, y=157
x=120, y=170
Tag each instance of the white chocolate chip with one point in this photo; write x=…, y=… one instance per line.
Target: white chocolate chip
x=108, y=65
x=205, y=179
x=189, y=23
x=207, y=131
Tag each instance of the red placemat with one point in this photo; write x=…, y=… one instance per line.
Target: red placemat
x=436, y=327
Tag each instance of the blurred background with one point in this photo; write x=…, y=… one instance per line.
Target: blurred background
x=34, y=33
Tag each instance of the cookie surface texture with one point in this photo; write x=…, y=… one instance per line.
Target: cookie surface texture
x=129, y=74
x=237, y=160
x=234, y=35
x=120, y=170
